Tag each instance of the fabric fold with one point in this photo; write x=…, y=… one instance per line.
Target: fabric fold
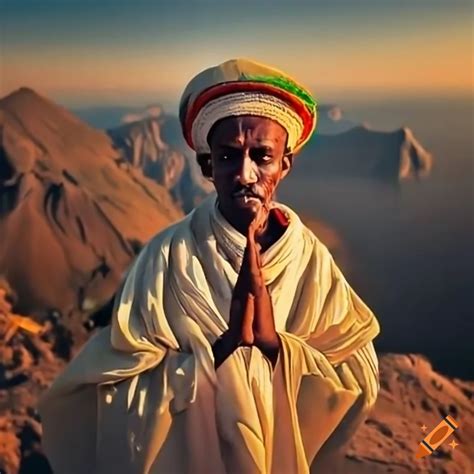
x=146, y=386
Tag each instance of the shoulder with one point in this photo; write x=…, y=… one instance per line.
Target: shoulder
x=306, y=235
x=157, y=248
x=162, y=240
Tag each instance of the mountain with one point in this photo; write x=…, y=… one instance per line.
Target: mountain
x=412, y=395
x=151, y=141
x=73, y=213
x=331, y=120
x=364, y=153
x=104, y=117
x=357, y=150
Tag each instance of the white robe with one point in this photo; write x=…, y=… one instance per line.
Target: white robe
x=143, y=396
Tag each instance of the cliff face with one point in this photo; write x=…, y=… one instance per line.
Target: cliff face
x=150, y=141
x=72, y=212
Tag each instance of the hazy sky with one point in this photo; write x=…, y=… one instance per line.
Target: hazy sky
x=133, y=52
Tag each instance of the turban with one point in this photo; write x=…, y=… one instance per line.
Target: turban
x=244, y=87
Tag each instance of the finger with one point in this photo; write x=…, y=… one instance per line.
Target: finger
x=256, y=223
x=245, y=272
x=259, y=254
x=256, y=282
x=253, y=261
x=247, y=322
x=251, y=232
x=242, y=287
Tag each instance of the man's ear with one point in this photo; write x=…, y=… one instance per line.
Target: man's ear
x=287, y=164
x=204, y=160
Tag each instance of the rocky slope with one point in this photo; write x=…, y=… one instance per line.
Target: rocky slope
x=29, y=361
x=73, y=213
x=151, y=141
x=412, y=394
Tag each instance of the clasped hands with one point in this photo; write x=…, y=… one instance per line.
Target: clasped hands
x=251, y=319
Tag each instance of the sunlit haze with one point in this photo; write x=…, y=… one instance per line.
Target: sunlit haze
x=117, y=52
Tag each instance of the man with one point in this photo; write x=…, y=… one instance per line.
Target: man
x=236, y=345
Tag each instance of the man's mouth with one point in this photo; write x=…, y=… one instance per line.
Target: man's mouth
x=245, y=196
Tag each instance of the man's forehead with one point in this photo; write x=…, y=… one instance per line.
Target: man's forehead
x=238, y=129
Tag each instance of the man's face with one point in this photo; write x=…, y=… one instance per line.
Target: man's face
x=248, y=161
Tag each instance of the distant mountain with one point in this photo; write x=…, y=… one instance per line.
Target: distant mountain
x=152, y=141
x=111, y=116
x=331, y=120
x=364, y=153
x=103, y=116
x=73, y=212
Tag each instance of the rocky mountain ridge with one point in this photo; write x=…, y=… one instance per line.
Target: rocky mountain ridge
x=73, y=213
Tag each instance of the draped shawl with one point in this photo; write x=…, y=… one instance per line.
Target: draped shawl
x=142, y=396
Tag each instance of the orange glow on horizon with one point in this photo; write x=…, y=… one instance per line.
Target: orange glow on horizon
x=430, y=63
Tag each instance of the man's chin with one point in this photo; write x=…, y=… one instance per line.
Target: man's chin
x=247, y=204
x=246, y=212
x=240, y=213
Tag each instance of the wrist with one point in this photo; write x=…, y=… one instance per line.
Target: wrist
x=269, y=345
x=267, y=341
x=270, y=348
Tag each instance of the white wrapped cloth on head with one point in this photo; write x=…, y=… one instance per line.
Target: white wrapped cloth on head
x=245, y=103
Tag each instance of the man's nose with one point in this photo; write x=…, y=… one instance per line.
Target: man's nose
x=247, y=173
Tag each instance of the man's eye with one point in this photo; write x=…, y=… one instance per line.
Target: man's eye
x=261, y=155
x=228, y=156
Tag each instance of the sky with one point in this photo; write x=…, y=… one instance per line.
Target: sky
x=85, y=53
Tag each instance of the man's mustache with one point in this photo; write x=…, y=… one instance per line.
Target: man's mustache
x=250, y=192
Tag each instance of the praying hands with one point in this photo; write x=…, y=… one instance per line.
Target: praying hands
x=251, y=319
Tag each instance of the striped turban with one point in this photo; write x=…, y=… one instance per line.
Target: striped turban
x=244, y=87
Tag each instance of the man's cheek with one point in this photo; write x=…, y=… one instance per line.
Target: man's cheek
x=268, y=188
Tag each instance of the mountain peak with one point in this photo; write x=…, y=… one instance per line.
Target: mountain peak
x=21, y=97
x=66, y=181
x=34, y=113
